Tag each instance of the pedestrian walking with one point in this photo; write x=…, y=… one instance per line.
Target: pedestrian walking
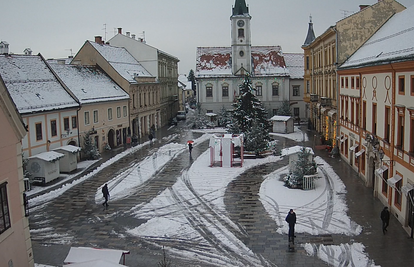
x=105, y=193
x=385, y=218
x=190, y=147
x=291, y=220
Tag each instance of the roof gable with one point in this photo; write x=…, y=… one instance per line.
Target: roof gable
x=122, y=61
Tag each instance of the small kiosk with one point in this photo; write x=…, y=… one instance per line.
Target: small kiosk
x=84, y=256
x=212, y=118
x=69, y=162
x=44, y=167
x=282, y=124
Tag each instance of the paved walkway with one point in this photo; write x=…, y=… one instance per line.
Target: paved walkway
x=78, y=221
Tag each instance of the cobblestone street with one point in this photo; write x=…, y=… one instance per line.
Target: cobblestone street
x=74, y=219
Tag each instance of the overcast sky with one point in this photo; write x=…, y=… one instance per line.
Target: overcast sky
x=54, y=28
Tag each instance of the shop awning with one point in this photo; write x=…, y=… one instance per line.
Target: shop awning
x=332, y=112
x=323, y=110
x=393, y=180
x=381, y=170
x=352, y=148
x=407, y=188
x=359, y=153
x=344, y=139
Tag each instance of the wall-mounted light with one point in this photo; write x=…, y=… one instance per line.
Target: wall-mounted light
x=381, y=156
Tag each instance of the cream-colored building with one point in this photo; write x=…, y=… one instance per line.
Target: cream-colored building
x=186, y=91
x=377, y=114
x=160, y=64
x=104, y=105
x=132, y=77
x=15, y=243
x=48, y=109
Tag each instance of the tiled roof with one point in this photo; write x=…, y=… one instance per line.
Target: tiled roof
x=31, y=84
x=89, y=84
x=393, y=41
x=122, y=61
x=295, y=64
x=216, y=61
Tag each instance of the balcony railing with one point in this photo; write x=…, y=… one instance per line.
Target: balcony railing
x=314, y=98
x=326, y=102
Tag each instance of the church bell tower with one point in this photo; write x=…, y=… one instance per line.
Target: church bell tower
x=241, y=44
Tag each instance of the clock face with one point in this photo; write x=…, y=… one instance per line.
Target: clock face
x=241, y=53
x=240, y=23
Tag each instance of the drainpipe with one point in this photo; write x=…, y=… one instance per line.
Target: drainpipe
x=338, y=125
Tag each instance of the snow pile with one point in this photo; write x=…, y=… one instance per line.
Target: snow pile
x=319, y=211
x=343, y=255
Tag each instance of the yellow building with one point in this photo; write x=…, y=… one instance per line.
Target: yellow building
x=326, y=52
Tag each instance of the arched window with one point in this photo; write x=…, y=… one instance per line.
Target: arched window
x=209, y=90
x=259, y=87
x=275, y=89
x=225, y=90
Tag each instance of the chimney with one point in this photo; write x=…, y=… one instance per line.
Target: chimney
x=361, y=7
x=133, y=36
x=98, y=39
x=4, y=47
x=127, y=34
x=120, y=30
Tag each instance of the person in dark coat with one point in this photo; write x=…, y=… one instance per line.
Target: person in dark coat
x=385, y=218
x=190, y=147
x=105, y=193
x=291, y=220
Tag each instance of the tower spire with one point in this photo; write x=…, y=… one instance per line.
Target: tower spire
x=311, y=35
x=240, y=8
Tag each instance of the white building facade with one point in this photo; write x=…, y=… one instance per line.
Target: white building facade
x=220, y=70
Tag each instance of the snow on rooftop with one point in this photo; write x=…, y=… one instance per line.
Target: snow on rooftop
x=214, y=61
x=89, y=84
x=280, y=118
x=48, y=156
x=294, y=150
x=31, y=84
x=394, y=40
x=295, y=64
x=122, y=61
x=69, y=148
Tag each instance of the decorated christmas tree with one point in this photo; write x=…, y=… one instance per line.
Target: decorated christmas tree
x=250, y=118
x=304, y=165
x=90, y=151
